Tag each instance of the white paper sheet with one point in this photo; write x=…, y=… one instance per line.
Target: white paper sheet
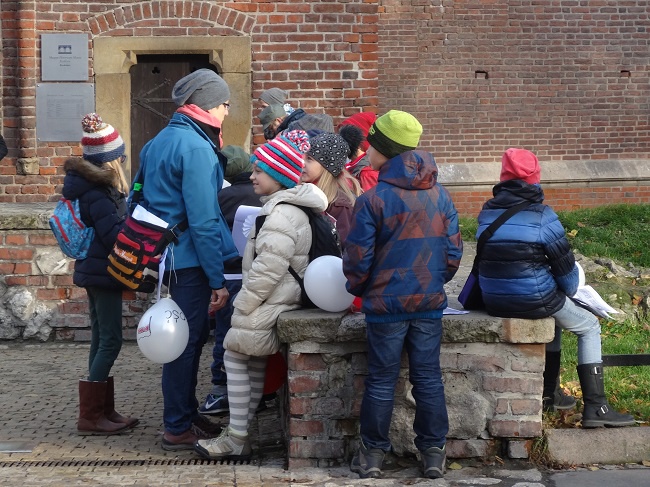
x=453, y=311
x=590, y=298
x=144, y=215
x=240, y=229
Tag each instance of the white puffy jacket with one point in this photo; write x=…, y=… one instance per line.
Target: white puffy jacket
x=267, y=287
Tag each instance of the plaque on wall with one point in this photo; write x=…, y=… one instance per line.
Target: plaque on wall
x=64, y=57
x=60, y=108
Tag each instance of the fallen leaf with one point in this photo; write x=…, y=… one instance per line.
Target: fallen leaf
x=572, y=233
x=581, y=225
x=454, y=466
x=593, y=468
x=645, y=463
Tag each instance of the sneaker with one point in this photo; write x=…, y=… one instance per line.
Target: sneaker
x=184, y=441
x=367, y=462
x=204, y=428
x=433, y=462
x=228, y=446
x=215, y=405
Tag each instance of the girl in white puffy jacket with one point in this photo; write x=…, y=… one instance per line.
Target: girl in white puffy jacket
x=268, y=288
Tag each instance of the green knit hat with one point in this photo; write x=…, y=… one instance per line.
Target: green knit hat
x=394, y=133
x=238, y=161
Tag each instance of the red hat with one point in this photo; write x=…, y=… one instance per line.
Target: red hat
x=364, y=121
x=520, y=164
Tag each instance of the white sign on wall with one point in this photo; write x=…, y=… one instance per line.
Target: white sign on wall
x=60, y=108
x=64, y=57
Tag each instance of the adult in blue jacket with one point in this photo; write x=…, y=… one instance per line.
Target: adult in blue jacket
x=527, y=270
x=182, y=174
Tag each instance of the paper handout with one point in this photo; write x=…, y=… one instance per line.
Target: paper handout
x=588, y=298
x=144, y=215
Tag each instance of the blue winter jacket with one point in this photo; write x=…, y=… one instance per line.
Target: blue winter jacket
x=526, y=269
x=182, y=175
x=404, y=243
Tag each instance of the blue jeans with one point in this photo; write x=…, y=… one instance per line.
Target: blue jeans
x=421, y=338
x=222, y=318
x=585, y=326
x=190, y=289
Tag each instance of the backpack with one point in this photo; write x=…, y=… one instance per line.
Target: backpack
x=135, y=257
x=324, y=241
x=72, y=235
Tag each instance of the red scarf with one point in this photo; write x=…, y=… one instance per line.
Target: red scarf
x=198, y=113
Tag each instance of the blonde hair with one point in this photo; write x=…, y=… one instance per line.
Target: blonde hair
x=119, y=179
x=345, y=181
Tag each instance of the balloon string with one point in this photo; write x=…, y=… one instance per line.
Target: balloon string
x=172, y=269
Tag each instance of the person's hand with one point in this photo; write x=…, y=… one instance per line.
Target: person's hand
x=218, y=300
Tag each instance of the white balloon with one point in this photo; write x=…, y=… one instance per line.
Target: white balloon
x=163, y=332
x=325, y=284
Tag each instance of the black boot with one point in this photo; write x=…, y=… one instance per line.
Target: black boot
x=597, y=411
x=553, y=397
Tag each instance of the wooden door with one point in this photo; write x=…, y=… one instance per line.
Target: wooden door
x=152, y=80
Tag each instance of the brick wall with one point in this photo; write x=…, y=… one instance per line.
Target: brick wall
x=569, y=80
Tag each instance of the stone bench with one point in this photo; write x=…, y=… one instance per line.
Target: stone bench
x=492, y=369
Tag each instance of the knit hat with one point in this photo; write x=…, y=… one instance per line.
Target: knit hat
x=320, y=122
x=270, y=113
x=520, y=164
x=274, y=96
x=100, y=142
x=331, y=151
x=394, y=133
x=282, y=157
x=203, y=88
x=364, y=121
x=238, y=161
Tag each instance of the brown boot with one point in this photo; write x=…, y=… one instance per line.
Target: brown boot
x=109, y=407
x=92, y=421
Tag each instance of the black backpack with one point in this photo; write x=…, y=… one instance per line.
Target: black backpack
x=324, y=241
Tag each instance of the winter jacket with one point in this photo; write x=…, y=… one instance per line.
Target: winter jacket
x=240, y=192
x=341, y=210
x=267, y=287
x=182, y=175
x=404, y=243
x=102, y=207
x=526, y=268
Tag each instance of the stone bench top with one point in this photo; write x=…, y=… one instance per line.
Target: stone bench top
x=317, y=326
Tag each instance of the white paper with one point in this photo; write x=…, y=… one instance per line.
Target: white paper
x=144, y=215
x=590, y=298
x=241, y=229
x=453, y=311
x=581, y=275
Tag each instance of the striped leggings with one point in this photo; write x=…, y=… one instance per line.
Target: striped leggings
x=245, y=387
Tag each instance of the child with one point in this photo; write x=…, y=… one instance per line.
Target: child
x=527, y=270
x=268, y=289
x=98, y=182
x=324, y=166
x=358, y=165
x=404, y=245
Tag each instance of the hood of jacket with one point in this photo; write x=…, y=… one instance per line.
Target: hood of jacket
x=305, y=194
x=414, y=169
x=83, y=176
x=510, y=193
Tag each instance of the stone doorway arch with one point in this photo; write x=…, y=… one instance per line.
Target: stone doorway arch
x=114, y=56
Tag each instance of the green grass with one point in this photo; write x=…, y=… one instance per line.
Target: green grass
x=620, y=233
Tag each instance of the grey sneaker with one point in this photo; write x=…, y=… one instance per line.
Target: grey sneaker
x=228, y=446
x=367, y=462
x=433, y=462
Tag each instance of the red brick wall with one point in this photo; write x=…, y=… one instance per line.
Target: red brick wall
x=557, y=76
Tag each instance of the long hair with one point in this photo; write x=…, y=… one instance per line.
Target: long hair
x=119, y=179
x=345, y=181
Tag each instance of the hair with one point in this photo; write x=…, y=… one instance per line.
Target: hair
x=345, y=181
x=119, y=179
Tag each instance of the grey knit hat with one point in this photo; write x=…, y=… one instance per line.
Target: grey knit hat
x=313, y=122
x=270, y=113
x=330, y=150
x=274, y=96
x=203, y=88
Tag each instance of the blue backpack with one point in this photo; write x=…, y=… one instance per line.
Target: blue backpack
x=73, y=236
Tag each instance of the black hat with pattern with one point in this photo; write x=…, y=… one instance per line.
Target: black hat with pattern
x=331, y=151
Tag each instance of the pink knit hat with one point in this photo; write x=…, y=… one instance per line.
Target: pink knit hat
x=520, y=164
x=282, y=157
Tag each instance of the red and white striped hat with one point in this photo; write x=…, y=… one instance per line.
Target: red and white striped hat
x=101, y=143
x=282, y=157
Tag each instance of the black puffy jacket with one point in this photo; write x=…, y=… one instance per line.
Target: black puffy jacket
x=102, y=207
